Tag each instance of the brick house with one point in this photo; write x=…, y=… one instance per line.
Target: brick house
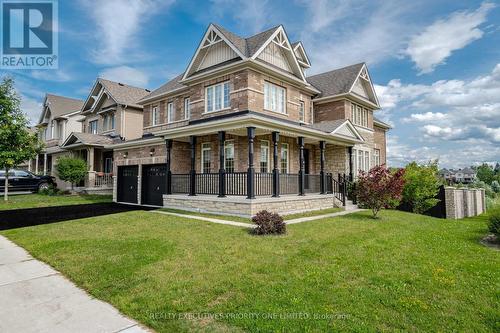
x=244, y=129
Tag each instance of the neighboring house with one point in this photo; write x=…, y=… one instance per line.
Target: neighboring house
x=464, y=176
x=244, y=121
x=60, y=116
x=109, y=115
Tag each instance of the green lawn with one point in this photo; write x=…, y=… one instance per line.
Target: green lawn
x=38, y=200
x=403, y=272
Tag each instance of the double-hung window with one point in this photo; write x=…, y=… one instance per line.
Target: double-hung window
x=170, y=112
x=376, y=156
x=229, y=156
x=93, y=127
x=187, y=108
x=112, y=121
x=274, y=98
x=217, y=97
x=105, y=123
x=284, y=158
x=264, y=156
x=206, y=157
x=359, y=115
x=301, y=111
x=155, y=114
x=361, y=161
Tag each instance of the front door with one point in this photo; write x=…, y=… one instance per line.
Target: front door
x=153, y=184
x=127, y=184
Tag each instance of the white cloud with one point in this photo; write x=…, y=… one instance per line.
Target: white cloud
x=52, y=75
x=127, y=75
x=31, y=107
x=436, y=43
x=428, y=116
x=118, y=23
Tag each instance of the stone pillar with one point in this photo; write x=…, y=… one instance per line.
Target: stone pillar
x=222, y=170
x=192, y=173
x=301, y=166
x=168, y=173
x=276, y=171
x=251, y=169
x=322, y=178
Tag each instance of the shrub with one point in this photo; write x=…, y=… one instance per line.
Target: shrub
x=72, y=170
x=51, y=191
x=494, y=220
x=379, y=188
x=421, y=186
x=268, y=223
x=495, y=186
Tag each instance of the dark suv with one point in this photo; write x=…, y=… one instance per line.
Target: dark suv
x=20, y=180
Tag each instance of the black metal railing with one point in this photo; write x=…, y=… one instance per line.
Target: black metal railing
x=329, y=183
x=263, y=184
x=180, y=183
x=350, y=187
x=207, y=183
x=289, y=183
x=236, y=183
x=312, y=183
x=339, y=190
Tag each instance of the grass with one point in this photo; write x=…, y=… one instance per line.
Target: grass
x=403, y=272
x=248, y=220
x=39, y=200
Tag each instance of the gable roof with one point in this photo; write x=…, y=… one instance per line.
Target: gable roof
x=336, y=82
x=60, y=106
x=170, y=86
x=380, y=123
x=124, y=93
x=342, y=127
x=76, y=138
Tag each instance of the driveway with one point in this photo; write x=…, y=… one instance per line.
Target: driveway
x=36, y=298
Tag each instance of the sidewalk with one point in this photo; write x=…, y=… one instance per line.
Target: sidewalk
x=36, y=298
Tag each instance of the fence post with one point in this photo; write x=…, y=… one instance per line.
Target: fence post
x=344, y=194
x=322, y=183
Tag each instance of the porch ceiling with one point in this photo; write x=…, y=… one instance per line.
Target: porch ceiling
x=264, y=125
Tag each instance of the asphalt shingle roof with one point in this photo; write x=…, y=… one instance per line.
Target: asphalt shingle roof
x=328, y=126
x=123, y=93
x=335, y=82
x=60, y=105
x=95, y=139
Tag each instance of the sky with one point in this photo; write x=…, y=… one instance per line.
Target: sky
x=435, y=64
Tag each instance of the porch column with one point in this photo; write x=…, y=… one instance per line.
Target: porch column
x=192, y=173
x=322, y=182
x=45, y=164
x=36, y=164
x=91, y=172
x=301, y=166
x=222, y=170
x=29, y=165
x=168, y=173
x=276, y=171
x=351, y=173
x=251, y=169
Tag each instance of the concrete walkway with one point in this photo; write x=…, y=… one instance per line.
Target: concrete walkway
x=36, y=298
x=248, y=225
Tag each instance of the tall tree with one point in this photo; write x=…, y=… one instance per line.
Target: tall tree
x=17, y=143
x=485, y=173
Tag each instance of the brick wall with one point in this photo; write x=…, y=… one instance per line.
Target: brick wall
x=379, y=138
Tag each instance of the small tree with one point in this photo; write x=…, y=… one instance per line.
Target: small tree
x=495, y=186
x=379, y=188
x=71, y=170
x=17, y=143
x=421, y=186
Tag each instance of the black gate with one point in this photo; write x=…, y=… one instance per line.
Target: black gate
x=127, y=184
x=153, y=184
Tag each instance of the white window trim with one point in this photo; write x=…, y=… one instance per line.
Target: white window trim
x=222, y=97
x=170, y=112
x=227, y=143
x=187, y=108
x=268, y=144
x=287, y=147
x=355, y=155
x=268, y=108
x=302, y=105
x=203, y=150
x=155, y=110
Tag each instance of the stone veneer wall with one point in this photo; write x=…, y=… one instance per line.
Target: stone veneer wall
x=240, y=206
x=464, y=202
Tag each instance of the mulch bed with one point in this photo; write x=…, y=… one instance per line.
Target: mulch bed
x=19, y=218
